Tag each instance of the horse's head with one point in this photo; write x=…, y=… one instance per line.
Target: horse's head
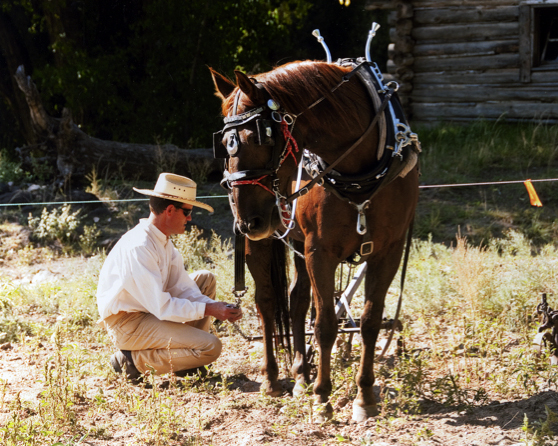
x=260, y=154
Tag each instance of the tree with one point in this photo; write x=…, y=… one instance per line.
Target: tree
x=135, y=71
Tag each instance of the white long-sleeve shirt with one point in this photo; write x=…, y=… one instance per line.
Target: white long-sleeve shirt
x=144, y=272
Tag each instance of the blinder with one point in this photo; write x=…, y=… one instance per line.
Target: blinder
x=219, y=150
x=263, y=137
x=264, y=134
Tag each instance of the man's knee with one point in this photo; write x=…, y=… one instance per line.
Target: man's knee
x=216, y=348
x=206, y=282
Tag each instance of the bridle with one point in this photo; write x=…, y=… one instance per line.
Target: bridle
x=282, y=123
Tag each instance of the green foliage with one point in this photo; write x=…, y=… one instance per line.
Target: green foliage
x=58, y=225
x=453, y=153
x=12, y=328
x=147, y=80
x=501, y=281
x=55, y=415
x=487, y=152
x=10, y=171
x=88, y=240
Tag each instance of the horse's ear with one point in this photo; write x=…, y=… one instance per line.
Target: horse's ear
x=249, y=88
x=223, y=86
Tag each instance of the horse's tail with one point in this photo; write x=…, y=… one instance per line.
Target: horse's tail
x=280, y=286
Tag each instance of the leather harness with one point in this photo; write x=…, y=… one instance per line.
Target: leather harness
x=389, y=118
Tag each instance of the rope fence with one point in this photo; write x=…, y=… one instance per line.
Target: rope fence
x=486, y=184
x=45, y=203
x=425, y=186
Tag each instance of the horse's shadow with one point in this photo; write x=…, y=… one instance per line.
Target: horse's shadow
x=247, y=385
x=232, y=382
x=508, y=416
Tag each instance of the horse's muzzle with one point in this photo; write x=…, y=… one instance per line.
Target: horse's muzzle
x=255, y=228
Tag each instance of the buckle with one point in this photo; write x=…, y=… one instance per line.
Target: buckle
x=366, y=248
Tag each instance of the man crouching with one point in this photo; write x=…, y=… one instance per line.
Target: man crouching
x=155, y=313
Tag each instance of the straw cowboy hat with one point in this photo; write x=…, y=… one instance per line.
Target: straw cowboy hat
x=176, y=188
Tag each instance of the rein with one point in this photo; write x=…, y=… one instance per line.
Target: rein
x=320, y=176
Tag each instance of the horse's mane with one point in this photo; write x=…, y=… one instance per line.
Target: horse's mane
x=297, y=85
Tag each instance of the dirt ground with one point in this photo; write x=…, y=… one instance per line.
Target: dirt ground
x=238, y=417
x=238, y=414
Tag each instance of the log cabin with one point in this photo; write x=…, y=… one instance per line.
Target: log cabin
x=461, y=60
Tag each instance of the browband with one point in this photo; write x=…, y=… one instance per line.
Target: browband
x=244, y=116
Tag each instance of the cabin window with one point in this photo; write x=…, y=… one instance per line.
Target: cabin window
x=538, y=37
x=546, y=36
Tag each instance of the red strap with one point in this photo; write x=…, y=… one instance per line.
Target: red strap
x=290, y=145
x=254, y=182
x=291, y=142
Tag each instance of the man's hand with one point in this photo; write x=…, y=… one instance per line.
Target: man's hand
x=223, y=311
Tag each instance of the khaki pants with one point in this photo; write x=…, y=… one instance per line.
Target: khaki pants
x=167, y=346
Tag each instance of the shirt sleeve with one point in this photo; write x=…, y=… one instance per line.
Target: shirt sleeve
x=145, y=283
x=180, y=283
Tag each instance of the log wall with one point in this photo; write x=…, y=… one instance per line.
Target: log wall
x=460, y=60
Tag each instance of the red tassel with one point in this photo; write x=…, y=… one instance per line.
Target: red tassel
x=533, y=197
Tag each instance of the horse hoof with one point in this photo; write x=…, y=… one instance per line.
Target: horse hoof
x=270, y=389
x=362, y=413
x=299, y=389
x=323, y=413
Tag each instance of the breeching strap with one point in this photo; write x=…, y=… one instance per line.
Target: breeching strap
x=328, y=169
x=403, y=274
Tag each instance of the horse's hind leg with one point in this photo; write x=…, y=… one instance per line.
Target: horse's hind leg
x=380, y=272
x=299, y=304
x=259, y=260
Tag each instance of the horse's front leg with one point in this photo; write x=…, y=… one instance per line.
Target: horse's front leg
x=259, y=260
x=299, y=304
x=379, y=275
x=321, y=268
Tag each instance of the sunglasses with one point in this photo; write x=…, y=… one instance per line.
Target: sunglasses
x=187, y=212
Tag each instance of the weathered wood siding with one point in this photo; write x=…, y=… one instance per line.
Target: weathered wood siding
x=459, y=60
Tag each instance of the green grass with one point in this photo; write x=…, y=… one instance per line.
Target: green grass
x=487, y=152
x=453, y=153
x=469, y=323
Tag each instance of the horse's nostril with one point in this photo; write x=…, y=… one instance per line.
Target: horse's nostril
x=254, y=224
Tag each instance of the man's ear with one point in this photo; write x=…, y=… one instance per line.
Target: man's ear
x=169, y=209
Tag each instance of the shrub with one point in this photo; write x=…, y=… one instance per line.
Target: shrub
x=10, y=171
x=56, y=226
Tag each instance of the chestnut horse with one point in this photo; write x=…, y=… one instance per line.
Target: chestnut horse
x=322, y=109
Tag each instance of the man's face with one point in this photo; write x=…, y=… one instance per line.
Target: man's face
x=180, y=218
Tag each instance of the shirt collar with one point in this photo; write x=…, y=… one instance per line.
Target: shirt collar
x=144, y=222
